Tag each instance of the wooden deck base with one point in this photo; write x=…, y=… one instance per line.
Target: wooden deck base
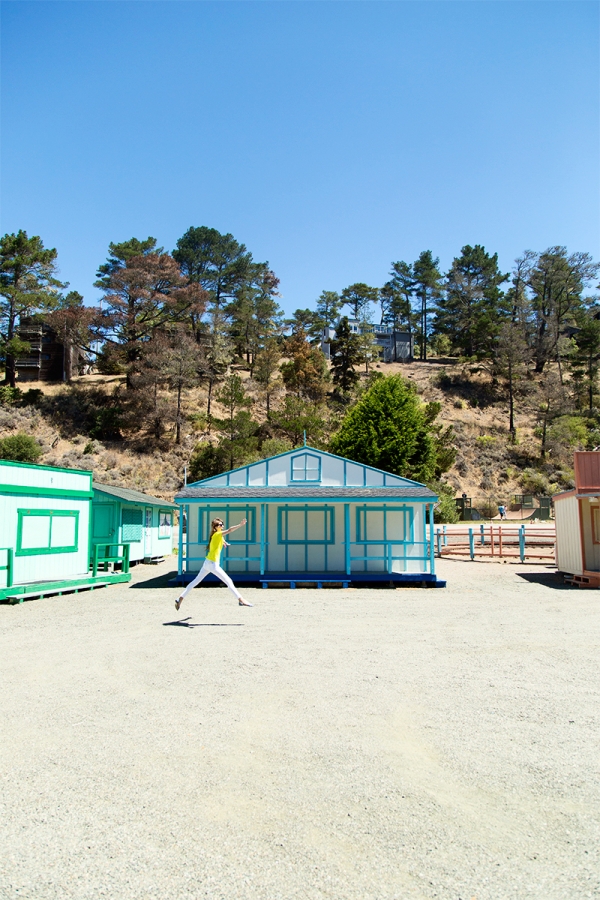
x=20, y=592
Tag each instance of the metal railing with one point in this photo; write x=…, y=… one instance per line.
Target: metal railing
x=523, y=541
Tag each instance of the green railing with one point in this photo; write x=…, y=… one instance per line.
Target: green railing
x=8, y=568
x=110, y=557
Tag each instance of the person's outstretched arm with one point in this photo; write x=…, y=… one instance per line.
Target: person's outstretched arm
x=234, y=527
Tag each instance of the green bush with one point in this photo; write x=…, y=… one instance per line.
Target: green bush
x=107, y=424
x=534, y=482
x=33, y=397
x=486, y=440
x=20, y=447
x=9, y=395
x=446, y=512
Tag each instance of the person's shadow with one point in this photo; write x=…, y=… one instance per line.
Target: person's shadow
x=185, y=623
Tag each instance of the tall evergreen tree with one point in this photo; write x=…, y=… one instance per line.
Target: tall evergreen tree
x=345, y=355
x=556, y=282
x=471, y=309
x=585, y=360
x=428, y=288
x=397, y=296
x=216, y=261
x=359, y=297
x=145, y=293
x=28, y=284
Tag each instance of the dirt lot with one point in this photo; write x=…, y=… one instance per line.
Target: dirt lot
x=324, y=744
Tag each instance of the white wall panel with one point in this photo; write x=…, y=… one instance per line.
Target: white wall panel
x=569, y=556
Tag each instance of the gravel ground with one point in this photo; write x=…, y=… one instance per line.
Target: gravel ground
x=325, y=744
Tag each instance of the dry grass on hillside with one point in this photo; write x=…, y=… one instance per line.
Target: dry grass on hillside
x=486, y=465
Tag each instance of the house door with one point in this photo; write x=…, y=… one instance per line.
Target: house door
x=103, y=523
x=148, y=532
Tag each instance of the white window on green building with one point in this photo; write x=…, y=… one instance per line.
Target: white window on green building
x=41, y=531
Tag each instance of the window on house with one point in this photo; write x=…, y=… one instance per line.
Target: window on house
x=164, y=523
x=231, y=515
x=376, y=524
x=41, y=531
x=306, y=467
x=305, y=525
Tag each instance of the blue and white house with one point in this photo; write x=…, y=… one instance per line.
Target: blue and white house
x=312, y=517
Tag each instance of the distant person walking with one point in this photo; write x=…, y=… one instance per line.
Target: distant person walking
x=216, y=541
x=502, y=511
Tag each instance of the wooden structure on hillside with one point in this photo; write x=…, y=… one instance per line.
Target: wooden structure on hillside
x=48, y=358
x=577, y=518
x=45, y=518
x=312, y=517
x=121, y=515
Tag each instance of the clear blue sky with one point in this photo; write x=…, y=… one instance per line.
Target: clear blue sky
x=331, y=138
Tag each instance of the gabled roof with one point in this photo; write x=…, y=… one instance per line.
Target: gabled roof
x=396, y=479
x=130, y=496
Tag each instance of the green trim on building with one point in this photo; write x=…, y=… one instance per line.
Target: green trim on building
x=45, y=492
x=48, y=588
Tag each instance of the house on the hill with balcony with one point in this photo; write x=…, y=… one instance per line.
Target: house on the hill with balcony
x=393, y=346
x=311, y=517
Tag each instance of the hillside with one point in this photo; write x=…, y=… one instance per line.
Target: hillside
x=487, y=467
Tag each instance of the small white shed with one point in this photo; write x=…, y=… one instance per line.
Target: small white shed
x=577, y=518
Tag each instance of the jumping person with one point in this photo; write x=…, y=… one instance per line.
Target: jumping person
x=216, y=541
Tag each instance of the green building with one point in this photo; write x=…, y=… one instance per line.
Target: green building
x=45, y=530
x=121, y=515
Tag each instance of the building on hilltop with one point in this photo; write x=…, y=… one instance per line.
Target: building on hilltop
x=394, y=346
x=47, y=357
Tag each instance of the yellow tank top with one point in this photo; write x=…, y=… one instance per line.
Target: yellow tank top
x=215, y=547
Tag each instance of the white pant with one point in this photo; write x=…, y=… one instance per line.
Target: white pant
x=216, y=569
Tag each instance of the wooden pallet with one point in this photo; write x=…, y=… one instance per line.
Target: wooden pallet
x=583, y=581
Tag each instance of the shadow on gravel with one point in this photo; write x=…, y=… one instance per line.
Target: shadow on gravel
x=185, y=623
x=549, y=579
x=158, y=582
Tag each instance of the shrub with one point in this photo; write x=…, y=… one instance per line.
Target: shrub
x=9, y=395
x=20, y=447
x=445, y=512
x=107, y=424
x=32, y=397
x=486, y=440
x=535, y=482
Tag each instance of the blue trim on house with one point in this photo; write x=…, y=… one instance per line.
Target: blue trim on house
x=213, y=501
x=304, y=469
x=328, y=536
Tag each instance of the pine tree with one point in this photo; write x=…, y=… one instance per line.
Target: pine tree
x=428, y=288
x=390, y=428
x=28, y=284
x=345, y=355
x=472, y=308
